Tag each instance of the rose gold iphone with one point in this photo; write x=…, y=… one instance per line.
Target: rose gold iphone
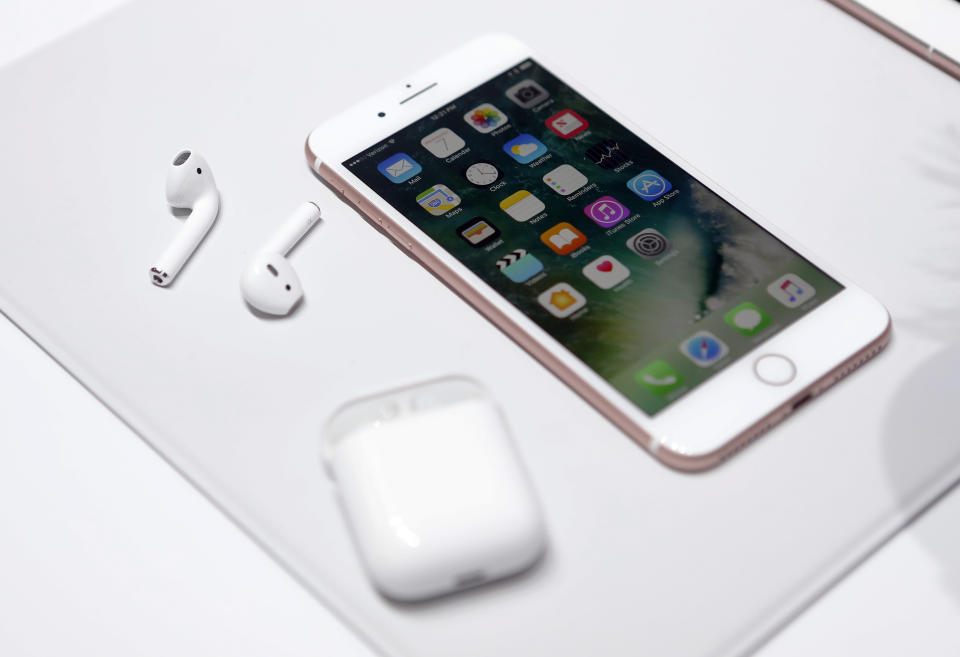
x=689, y=321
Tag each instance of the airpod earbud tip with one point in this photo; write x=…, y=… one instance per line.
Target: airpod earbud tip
x=269, y=284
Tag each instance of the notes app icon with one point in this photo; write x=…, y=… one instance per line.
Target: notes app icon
x=522, y=205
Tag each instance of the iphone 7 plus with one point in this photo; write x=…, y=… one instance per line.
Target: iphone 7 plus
x=689, y=321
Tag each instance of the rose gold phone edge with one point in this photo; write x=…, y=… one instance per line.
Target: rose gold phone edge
x=683, y=462
x=900, y=36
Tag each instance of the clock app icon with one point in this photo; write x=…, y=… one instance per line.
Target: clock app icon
x=482, y=174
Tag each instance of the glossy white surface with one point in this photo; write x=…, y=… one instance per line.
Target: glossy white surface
x=918, y=583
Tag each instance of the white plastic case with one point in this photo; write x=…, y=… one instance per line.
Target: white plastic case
x=433, y=489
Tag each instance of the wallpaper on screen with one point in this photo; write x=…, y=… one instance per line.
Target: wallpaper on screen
x=635, y=333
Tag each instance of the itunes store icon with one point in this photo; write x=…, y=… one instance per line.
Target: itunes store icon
x=607, y=211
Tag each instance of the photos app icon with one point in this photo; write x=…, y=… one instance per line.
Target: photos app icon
x=485, y=118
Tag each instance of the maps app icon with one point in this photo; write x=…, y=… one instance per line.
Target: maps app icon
x=438, y=200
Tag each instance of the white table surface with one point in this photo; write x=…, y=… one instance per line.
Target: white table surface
x=107, y=551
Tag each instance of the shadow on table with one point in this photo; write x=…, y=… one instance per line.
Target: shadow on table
x=924, y=420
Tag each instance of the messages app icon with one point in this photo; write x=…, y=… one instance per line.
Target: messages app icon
x=399, y=168
x=524, y=149
x=747, y=318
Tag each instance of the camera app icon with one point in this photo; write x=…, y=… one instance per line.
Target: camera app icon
x=527, y=93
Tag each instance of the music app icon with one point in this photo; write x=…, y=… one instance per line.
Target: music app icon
x=607, y=211
x=791, y=290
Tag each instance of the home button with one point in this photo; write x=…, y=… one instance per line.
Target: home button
x=775, y=369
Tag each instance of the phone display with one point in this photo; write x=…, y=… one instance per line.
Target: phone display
x=640, y=270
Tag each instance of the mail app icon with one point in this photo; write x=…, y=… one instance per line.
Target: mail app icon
x=399, y=168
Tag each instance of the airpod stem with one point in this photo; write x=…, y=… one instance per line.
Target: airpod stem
x=293, y=229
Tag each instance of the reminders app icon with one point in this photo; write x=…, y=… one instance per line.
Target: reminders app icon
x=399, y=168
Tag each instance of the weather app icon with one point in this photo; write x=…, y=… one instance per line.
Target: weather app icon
x=524, y=149
x=649, y=185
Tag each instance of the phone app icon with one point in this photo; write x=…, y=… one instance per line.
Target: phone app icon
x=659, y=378
x=443, y=142
x=565, y=180
x=649, y=185
x=527, y=93
x=522, y=205
x=478, y=232
x=703, y=348
x=438, y=200
x=485, y=118
x=567, y=124
x=519, y=266
x=606, y=272
x=747, y=318
x=525, y=148
x=791, y=290
x=563, y=238
x=649, y=244
x=607, y=211
x=607, y=154
x=562, y=300
x=399, y=168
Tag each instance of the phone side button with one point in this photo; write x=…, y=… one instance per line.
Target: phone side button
x=774, y=369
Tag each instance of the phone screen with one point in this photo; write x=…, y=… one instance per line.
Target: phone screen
x=631, y=263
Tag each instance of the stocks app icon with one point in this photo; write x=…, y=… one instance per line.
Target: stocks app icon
x=649, y=244
x=607, y=154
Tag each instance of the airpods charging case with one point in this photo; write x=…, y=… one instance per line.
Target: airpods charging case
x=432, y=489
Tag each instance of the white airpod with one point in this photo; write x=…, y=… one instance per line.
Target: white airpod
x=189, y=185
x=269, y=282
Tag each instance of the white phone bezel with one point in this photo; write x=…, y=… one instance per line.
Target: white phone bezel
x=845, y=329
